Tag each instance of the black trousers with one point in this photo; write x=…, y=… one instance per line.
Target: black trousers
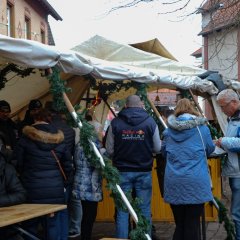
x=89, y=209
x=187, y=220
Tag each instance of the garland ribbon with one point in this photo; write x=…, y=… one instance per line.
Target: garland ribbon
x=109, y=172
x=93, y=155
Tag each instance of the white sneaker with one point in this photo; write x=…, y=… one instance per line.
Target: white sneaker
x=73, y=235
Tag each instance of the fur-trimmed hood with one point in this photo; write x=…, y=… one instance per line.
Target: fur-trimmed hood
x=185, y=121
x=44, y=135
x=184, y=126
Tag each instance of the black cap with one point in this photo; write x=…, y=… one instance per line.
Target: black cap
x=4, y=106
x=34, y=104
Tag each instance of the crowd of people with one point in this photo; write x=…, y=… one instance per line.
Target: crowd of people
x=43, y=161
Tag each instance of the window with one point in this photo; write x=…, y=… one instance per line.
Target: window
x=43, y=36
x=10, y=28
x=27, y=28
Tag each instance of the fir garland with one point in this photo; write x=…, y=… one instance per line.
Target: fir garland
x=222, y=211
x=13, y=68
x=142, y=93
x=107, y=88
x=109, y=172
x=214, y=133
x=223, y=217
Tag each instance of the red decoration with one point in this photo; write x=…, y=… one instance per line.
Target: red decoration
x=97, y=100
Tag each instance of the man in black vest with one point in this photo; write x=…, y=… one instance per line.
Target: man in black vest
x=132, y=138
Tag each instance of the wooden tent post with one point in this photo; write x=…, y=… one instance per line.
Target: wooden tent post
x=165, y=126
x=123, y=196
x=201, y=111
x=157, y=112
x=196, y=103
x=105, y=101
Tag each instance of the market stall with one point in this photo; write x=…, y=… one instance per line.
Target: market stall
x=99, y=67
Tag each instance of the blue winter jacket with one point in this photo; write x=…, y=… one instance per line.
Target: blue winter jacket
x=231, y=144
x=87, y=183
x=187, y=179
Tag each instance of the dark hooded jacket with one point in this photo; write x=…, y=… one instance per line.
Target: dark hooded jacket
x=133, y=132
x=9, y=129
x=69, y=133
x=39, y=171
x=11, y=189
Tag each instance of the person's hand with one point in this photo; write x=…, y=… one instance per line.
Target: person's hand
x=218, y=142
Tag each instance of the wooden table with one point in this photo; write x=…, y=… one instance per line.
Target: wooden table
x=18, y=213
x=113, y=239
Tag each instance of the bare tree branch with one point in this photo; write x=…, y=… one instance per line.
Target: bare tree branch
x=174, y=2
x=128, y=5
x=178, y=9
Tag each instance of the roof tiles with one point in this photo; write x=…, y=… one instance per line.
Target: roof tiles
x=221, y=17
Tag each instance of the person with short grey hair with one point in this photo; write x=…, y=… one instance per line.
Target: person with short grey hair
x=228, y=95
x=132, y=138
x=229, y=102
x=133, y=101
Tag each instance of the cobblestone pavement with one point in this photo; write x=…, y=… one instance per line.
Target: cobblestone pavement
x=164, y=230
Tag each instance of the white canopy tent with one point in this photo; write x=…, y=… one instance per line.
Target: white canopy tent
x=103, y=59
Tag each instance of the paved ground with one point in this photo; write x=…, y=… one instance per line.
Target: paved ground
x=164, y=230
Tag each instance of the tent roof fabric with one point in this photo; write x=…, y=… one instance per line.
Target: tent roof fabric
x=154, y=46
x=105, y=60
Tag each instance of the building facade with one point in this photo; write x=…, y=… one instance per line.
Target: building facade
x=27, y=19
x=221, y=37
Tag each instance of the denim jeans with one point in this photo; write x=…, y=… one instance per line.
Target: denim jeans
x=235, y=204
x=51, y=227
x=142, y=183
x=75, y=215
x=64, y=215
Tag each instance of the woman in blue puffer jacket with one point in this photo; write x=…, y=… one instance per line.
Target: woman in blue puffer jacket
x=187, y=185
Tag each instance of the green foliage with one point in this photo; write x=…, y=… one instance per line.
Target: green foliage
x=142, y=93
x=214, y=133
x=141, y=229
x=109, y=172
x=13, y=68
x=222, y=212
x=223, y=217
x=105, y=89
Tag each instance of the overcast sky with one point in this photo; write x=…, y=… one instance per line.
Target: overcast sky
x=83, y=19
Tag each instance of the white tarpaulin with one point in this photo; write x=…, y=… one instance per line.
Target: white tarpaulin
x=104, y=59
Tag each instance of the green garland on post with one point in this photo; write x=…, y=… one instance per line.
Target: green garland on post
x=109, y=172
x=222, y=211
x=223, y=217
x=142, y=93
x=13, y=68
